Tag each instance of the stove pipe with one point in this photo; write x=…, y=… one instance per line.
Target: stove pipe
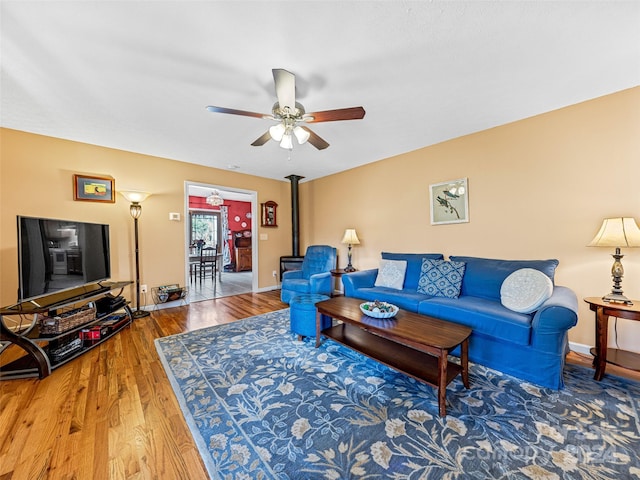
x=295, y=215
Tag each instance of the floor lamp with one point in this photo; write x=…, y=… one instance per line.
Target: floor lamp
x=136, y=209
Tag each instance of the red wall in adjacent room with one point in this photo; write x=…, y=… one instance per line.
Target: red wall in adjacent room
x=236, y=209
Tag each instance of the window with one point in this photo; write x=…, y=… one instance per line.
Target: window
x=205, y=226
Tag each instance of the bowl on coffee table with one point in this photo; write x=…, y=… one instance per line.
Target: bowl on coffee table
x=379, y=309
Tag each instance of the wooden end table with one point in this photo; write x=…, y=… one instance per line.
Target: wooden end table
x=413, y=344
x=337, y=273
x=602, y=354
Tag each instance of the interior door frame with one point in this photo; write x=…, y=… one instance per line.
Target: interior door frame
x=254, y=226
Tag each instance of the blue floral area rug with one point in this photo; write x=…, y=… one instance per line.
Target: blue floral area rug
x=262, y=405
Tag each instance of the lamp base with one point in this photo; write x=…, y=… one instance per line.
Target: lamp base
x=140, y=314
x=617, y=298
x=349, y=269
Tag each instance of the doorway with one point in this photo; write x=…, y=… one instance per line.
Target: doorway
x=222, y=224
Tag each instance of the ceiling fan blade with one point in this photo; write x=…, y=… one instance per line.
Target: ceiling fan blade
x=352, y=113
x=238, y=112
x=285, y=87
x=315, y=140
x=262, y=139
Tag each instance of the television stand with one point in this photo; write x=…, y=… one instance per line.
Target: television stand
x=47, y=341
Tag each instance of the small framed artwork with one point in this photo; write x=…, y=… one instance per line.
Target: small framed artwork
x=449, y=202
x=94, y=189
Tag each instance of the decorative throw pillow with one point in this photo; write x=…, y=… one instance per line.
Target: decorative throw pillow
x=391, y=274
x=440, y=278
x=525, y=290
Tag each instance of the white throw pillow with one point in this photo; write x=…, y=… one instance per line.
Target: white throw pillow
x=391, y=274
x=525, y=290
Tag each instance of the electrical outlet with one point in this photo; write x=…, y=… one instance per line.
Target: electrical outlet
x=275, y=274
x=143, y=289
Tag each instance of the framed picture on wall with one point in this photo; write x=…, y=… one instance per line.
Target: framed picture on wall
x=94, y=189
x=449, y=202
x=268, y=214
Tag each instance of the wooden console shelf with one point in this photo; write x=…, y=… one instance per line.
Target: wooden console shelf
x=419, y=365
x=40, y=360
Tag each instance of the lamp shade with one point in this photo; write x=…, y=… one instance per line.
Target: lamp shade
x=301, y=134
x=350, y=237
x=617, y=232
x=286, y=142
x=134, y=196
x=277, y=131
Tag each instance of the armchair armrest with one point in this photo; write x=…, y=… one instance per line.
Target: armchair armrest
x=355, y=280
x=553, y=319
x=292, y=274
x=320, y=283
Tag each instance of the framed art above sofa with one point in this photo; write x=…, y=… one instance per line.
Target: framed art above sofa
x=449, y=202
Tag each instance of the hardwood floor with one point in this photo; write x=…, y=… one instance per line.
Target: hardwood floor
x=111, y=413
x=232, y=283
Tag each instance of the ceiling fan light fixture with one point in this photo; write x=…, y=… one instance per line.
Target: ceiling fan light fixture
x=286, y=142
x=277, y=131
x=301, y=134
x=287, y=112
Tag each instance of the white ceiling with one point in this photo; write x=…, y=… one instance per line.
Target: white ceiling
x=137, y=75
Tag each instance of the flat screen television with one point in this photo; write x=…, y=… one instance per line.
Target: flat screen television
x=57, y=255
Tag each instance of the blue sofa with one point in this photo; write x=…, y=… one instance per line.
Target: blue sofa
x=531, y=346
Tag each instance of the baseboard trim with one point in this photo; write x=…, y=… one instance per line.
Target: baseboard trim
x=580, y=348
x=268, y=289
x=161, y=306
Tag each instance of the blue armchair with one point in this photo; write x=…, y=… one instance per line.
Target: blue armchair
x=315, y=276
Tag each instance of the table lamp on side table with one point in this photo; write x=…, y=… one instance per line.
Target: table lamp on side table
x=617, y=232
x=350, y=238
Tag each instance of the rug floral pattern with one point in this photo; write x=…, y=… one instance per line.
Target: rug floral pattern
x=263, y=405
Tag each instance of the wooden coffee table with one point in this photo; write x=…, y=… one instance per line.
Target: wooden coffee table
x=416, y=345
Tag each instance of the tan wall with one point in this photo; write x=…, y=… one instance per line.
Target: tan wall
x=538, y=188
x=36, y=180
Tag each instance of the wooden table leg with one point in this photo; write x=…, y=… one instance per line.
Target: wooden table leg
x=443, y=361
x=602, y=330
x=318, y=326
x=464, y=362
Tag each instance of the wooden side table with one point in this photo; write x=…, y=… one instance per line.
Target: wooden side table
x=337, y=273
x=602, y=354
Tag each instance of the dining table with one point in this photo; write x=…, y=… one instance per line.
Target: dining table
x=195, y=260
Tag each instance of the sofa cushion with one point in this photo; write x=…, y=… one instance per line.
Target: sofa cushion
x=391, y=274
x=485, y=317
x=414, y=265
x=525, y=290
x=483, y=277
x=440, y=278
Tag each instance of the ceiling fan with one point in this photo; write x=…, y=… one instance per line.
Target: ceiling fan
x=289, y=114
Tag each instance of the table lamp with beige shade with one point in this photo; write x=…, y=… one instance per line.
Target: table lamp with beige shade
x=350, y=238
x=617, y=232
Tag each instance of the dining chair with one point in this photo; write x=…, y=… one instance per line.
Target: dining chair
x=208, y=260
x=194, y=263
